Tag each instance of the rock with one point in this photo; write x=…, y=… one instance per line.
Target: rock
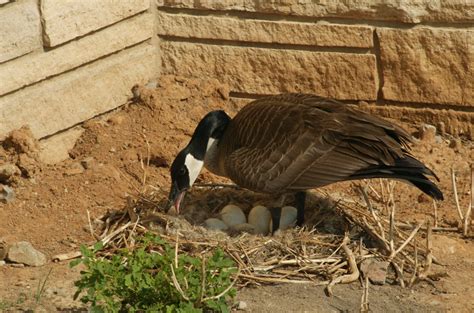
x=287, y=218
x=393, y=10
x=215, y=224
x=74, y=169
x=7, y=171
x=441, y=128
x=23, y=252
x=62, y=22
x=242, y=305
x=243, y=228
x=39, y=66
x=7, y=194
x=116, y=119
x=232, y=215
x=427, y=132
x=56, y=148
x=456, y=144
x=375, y=270
x=251, y=30
x=28, y=165
x=22, y=141
x=19, y=29
x=413, y=73
x=75, y=96
x=260, y=217
x=88, y=162
x=267, y=71
x=2, y=263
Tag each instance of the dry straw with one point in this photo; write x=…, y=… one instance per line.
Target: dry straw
x=298, y=256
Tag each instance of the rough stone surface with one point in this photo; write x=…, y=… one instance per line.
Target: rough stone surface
x=25, y=71
x=427, y=132
x=456, y=123
x=68, y=19
x=375, y=270
x=56, y=148
x=19, y=30
x=71, y=98
x=281, y=32
x=23, y=252
x=394, y=10
x=7, y=171
x=428, y=65
x=7, y=194
x=268, y=71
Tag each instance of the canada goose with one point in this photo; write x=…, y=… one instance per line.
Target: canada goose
x=293, y=142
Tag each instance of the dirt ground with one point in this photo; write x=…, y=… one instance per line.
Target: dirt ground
x=121, y=153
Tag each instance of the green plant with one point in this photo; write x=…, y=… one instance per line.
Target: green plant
x=152, y=278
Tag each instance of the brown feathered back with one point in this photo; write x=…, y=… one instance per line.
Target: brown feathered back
x=296, y=142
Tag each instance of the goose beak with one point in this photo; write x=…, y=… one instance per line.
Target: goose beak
x=176, y=197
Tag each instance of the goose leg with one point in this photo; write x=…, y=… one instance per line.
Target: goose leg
x=276, y=214
x=300, y=198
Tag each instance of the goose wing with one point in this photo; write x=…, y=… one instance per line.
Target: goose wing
x=296, y=141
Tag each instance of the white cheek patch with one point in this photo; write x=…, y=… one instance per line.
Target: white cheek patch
x=194, y=167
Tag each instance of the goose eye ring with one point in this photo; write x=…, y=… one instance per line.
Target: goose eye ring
x=182, y=171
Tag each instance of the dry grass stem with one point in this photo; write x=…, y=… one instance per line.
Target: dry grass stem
x=467, y=216
x=456, y=197
x=353, y=269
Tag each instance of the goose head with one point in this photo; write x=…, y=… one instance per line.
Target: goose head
x=188, y=164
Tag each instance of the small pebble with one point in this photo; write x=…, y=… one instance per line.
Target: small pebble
x=74, y=169
x=260, y=218
x=8, y=170
x=242, y=305
x=427, y=132
x=215, y=224
x=7, y=194
x=232, y=215
x=87, y=162
x=2, y=263
x=455, y=144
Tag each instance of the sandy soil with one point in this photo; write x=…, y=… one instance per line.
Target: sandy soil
x=106, y=165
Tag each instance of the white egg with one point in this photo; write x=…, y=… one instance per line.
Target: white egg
x=244, y=227
x=260, y=217
x=287, y=218
x=232, y=215
x=215, y=224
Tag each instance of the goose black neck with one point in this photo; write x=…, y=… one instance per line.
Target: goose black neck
x=213, y=125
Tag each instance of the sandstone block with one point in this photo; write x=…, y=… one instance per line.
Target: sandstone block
x=313, y=34
x=428, y=65
x=456, y=123
x=269, y=71
x=4, y=1
x=25, y=71
x=68, y=99
x=68, y=19
x=56, y=148
x=19, y=30
x=393, y=10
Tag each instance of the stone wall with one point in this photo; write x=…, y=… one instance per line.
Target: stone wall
x=65, y=61
x=410, y=60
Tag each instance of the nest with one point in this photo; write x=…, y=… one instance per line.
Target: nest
x=318, y=255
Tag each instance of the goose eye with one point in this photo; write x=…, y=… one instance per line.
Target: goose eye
x=182, y=171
